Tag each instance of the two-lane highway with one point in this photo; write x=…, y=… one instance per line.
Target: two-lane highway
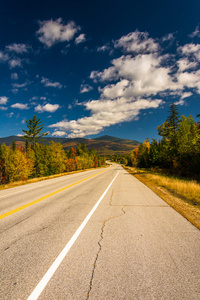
x=99, y=234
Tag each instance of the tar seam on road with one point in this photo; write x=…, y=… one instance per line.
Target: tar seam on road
x=46, y=278
x=99, y=243
x=45, y=197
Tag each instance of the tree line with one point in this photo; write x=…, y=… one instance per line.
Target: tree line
x=178, y=150
x=38, y=160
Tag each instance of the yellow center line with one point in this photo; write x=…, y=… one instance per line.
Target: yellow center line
x=45, y=197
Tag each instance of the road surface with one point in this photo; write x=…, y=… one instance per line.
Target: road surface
x=99, y=234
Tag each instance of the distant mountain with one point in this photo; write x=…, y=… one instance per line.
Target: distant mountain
x=106, y=145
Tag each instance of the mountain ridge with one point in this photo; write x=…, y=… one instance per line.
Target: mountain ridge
x=106, y=145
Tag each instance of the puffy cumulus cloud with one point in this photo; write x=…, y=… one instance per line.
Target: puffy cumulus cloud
x=59, y=133
x=115, y=90
x=85, y=88
x=3, y=100
x=144, y=72
x=80, y=39
x=109, y=74
x=47, y=107
x=52, y=32
x=20, y=106
x=140, y=78
x=104, y=114
x=49, y=83
x=137, y=42
x=189, y=80
x=192, y=50
x=185, y=64
x=15, y=62
x=18, y=48
x=3, y=56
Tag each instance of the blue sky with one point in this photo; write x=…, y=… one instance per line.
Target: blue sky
x=93, y=68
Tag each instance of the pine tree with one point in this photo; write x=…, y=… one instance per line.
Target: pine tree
x=170, y=127
x=34, y=130
x=13, y=146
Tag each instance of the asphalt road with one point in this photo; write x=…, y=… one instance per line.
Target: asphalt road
x=131, y=245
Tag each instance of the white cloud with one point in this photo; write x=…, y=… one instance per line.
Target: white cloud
x=137, y=42
x=185, y=64
x=24, y=121
x=20, y=106
x=10, y=115
x=103, y=48
x=80, y=39
x=191, y=50
x=49, y=83
x=52, y=32
x=137, y=80
x=3, y=100
x=104, y=114
x=15, y=91
x=183, y=96
x=58, y=133
x=14, y=76
x=189, y=80
x=3, y=108
x=85, y=88
x=144, y=72
x=186, y=95
x=168, y=37
x=195, y=33
x=22, y=85
x=18, y=48
x=3, y=56
x=15, y=62
x=47, y=107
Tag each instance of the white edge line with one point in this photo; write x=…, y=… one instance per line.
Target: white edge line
x=42, y=284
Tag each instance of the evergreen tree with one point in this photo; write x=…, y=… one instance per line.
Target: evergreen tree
x=34, y=130
x=13, y=146
x=170, y=127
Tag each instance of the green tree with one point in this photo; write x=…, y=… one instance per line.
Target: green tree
x=169, y=129
x=34, y=130
x=13, y=146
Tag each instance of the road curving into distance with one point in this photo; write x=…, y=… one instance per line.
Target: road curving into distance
x=99, y=234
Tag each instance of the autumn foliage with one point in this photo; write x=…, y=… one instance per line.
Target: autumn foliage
x=43, y=160
x=178, y=151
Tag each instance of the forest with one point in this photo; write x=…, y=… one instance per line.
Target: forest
x=38, y=160
x=176, y=153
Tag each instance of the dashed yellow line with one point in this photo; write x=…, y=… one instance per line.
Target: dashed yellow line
x=45, y=197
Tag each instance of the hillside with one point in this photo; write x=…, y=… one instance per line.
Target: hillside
x=106, y=145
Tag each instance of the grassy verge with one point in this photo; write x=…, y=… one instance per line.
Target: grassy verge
x=182, y=195
x=18, y=183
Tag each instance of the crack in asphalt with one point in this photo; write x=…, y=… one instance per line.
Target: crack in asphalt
x=99, y=243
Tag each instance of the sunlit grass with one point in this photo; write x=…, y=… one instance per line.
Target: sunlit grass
x=188, y=190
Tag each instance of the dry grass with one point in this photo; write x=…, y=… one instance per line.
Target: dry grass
x=188, y=190
x=182, y=195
